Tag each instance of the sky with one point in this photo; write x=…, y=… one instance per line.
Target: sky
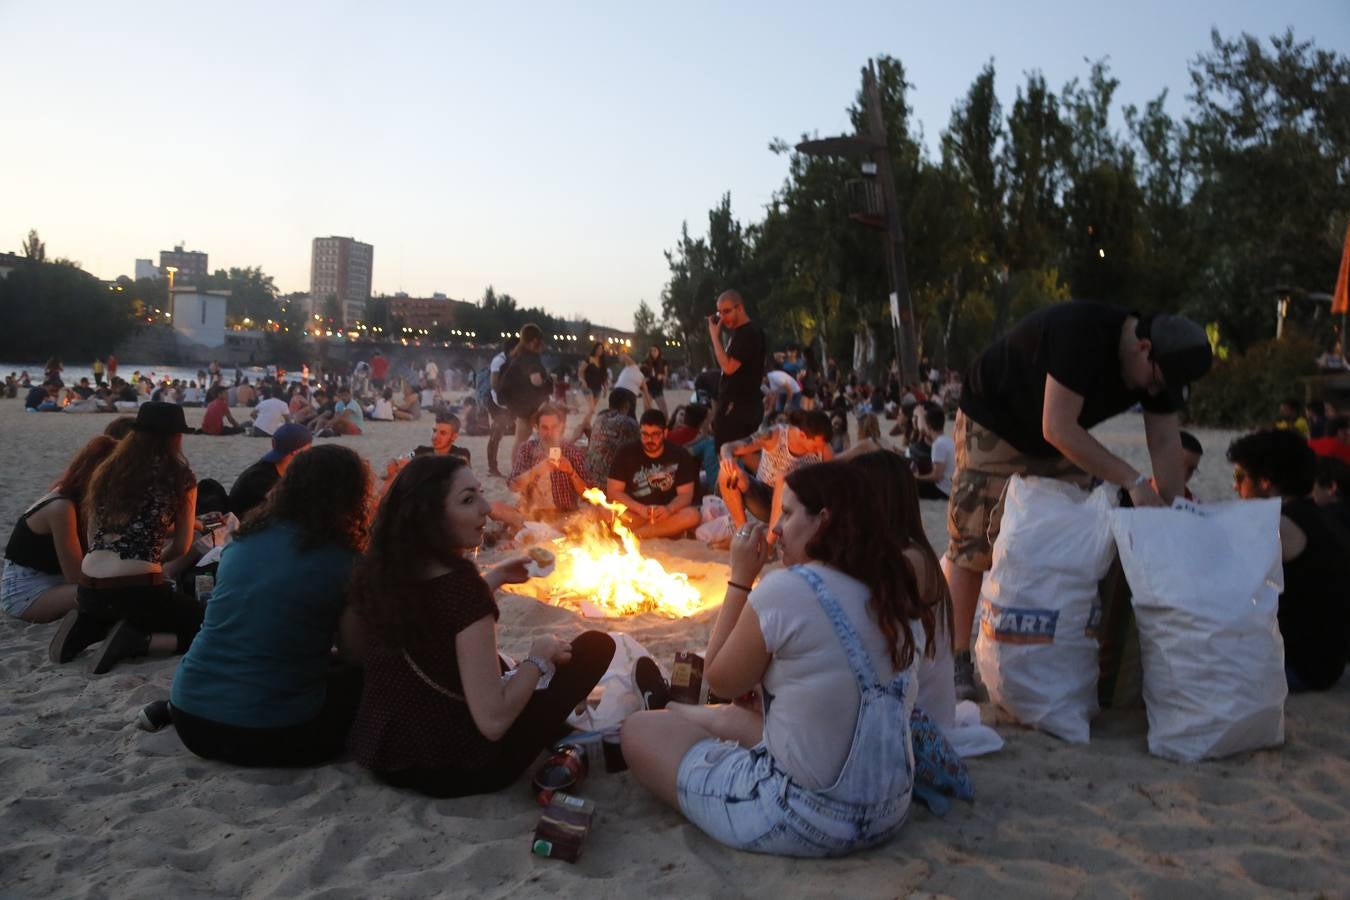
x=551, y=150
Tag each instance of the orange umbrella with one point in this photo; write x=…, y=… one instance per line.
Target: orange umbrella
x=1340, y=300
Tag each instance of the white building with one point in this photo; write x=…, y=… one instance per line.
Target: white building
x=199, y=316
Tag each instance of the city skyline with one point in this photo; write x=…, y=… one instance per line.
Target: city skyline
x=552, y=155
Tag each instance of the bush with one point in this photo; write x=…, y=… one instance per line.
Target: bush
x=1245, y=391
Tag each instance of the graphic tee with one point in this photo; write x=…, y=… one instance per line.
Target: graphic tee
x=653, y=482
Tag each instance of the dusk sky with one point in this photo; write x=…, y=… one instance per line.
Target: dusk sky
x=549, y=150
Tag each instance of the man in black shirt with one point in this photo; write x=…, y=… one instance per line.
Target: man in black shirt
x=1026, y=409
x=251, y=487
x=740, y=406
x=655, y=480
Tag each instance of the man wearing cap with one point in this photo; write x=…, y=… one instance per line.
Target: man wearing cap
x=1029, y=401
x=252, y=485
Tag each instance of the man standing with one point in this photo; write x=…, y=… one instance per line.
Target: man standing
x=739, y=402
x=547, y=471
x=502, y=420
x=98, y=371
x=655, y=480
x=1026, y=410
x=252, y=485
x=379, y=370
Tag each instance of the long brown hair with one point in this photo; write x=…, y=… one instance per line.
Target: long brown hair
x=74, y=481
x=890, y=476
x=325, y=493
x=142, y=463
x=856, y=540
x=410, y=531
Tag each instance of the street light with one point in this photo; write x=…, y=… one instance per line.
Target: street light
x=171, y=270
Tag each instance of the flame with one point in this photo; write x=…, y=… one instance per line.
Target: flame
x=601, y=571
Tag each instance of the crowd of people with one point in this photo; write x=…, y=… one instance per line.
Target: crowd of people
x=346, y=613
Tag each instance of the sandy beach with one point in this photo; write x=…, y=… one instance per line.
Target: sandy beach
x=90, y=806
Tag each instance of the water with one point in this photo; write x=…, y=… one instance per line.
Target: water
x=72, y=374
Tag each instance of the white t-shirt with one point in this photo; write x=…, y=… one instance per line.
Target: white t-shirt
x=782, y=383
x=495, y=367
x=810, y=692
x=630, y=379
x=944, y=452
x=432, y=371
x=271, y=415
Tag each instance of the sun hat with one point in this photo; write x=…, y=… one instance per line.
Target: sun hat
x=161, y=418
x=1181, y=350
x=286, y=440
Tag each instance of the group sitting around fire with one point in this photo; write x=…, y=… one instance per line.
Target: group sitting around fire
x=348, y=613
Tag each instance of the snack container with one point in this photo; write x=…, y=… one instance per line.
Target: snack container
x=563, y=827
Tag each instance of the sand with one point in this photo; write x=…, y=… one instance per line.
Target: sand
x=91, y=806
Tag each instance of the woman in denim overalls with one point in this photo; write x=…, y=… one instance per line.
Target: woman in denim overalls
x=796, y=778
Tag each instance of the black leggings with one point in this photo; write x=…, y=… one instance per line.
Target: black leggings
x=308, y=744
x=151, y=609
x=542, y=722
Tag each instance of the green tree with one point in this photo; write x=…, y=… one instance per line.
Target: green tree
x=34, y=248
x=54, y=308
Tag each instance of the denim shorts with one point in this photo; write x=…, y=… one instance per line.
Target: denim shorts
x=20, y=586
x=741, y=798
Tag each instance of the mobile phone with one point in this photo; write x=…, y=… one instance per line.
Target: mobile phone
x=554, y=454
x=715, y=318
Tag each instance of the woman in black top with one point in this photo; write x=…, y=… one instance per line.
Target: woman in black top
x=657, y=370
x=593, y=375
x=43, y=556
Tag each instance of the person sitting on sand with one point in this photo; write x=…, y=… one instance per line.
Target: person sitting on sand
x=140, y=501
x=250, y=489
x=826, y=768
x=347, y=414
x=1314, y=617
x=548, y=472
x=443, y=436
x=890, y=475
x=436, y=714
x=259, y=686
x=46, y=547
x=655, y=479
x=270, y=413
x=43, y=398
x=611, y=429
x=217, y=413
x=1331, y=488
x=782, y=449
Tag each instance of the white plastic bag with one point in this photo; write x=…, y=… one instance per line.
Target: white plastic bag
x=1206, y=584
x=715, y=530
x=1037, y=644
x=620, y=696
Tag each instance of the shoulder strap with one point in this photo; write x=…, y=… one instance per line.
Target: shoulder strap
x=858, y=660
x=429, y=681
x=41, y=504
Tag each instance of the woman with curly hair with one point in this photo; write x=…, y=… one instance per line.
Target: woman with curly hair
x=139, y=510
x=826, y=768
x=259, y=686
x=437, y=714
x=46, y=548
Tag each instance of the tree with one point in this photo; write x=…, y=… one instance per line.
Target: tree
x=51, y=308
x=34, y=248
x=645, y=324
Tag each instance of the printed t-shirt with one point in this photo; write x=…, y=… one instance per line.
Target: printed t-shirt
x=1079, y=344
x=261, y=657
x=653, y=481
x=403, y=721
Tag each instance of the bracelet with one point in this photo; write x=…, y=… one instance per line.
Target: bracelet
x=1138, y=481
x=539, y=663
x=733, y=584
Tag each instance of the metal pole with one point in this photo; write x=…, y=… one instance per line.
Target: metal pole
x=906, y=345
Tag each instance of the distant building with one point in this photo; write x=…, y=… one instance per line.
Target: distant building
x=199, y=316
x=9, y=262
x=146, y=268
x=191, y=265
x=436, y=311
x=341, y=267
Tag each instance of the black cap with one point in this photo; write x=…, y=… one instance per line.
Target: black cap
x=161, y=418
x=1181, y=350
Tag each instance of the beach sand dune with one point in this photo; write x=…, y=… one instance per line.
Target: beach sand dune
x=92, y=807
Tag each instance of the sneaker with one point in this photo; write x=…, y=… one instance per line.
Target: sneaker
x=123, y=642
x=965, y=676
x=76, y=632
x=655, y=693
x=154, y=716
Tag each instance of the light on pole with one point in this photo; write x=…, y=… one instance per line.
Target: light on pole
x=171, y=270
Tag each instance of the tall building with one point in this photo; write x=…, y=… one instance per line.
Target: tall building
x=341, y=267
x=146, y=268
x=191, y=265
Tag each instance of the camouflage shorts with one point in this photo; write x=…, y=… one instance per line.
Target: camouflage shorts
x=984, y=463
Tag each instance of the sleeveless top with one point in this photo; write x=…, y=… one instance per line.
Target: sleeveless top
x=28, y=548
x=780, y=462
x=143, y=537
x=1313, y=614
